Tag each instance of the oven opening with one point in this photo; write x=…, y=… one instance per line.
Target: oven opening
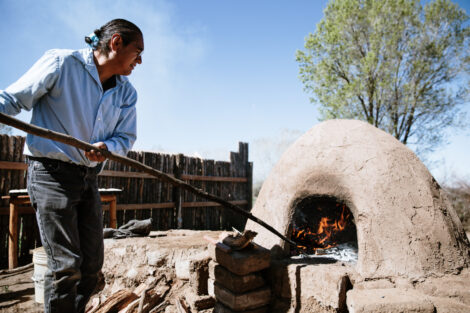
x=323, y=227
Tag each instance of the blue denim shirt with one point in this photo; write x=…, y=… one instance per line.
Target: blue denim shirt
x=64, y=90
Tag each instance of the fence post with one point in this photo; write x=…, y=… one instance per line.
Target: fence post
x=249, y=184
x=249, y=175
x=177, y=192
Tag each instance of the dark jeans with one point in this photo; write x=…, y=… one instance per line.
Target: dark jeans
x=70, y=220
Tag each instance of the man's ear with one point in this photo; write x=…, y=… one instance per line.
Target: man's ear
x=115, y=43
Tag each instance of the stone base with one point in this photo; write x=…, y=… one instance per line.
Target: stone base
x=242, y=302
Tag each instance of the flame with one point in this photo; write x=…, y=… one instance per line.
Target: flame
x=323, y=237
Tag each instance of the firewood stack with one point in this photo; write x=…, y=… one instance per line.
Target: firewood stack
x=235, y=274
x=149, y=297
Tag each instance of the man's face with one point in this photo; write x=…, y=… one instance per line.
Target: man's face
x=127, y=57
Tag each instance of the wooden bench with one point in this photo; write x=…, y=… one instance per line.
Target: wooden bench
x=19, y=198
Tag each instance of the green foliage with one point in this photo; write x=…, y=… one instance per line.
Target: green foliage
x=459, y=196
x=393, y=63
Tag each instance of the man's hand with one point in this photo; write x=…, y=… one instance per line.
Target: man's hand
x=95, y=155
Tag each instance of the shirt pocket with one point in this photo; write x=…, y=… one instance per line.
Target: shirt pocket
x=111, y=112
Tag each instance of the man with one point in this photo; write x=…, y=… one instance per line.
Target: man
x=84, y=94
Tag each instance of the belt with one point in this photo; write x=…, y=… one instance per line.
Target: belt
x=43, y=160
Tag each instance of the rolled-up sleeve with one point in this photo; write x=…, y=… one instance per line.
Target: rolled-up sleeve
x=35, y=83
x=124, y=134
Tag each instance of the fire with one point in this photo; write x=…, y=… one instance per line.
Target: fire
x=326, y=234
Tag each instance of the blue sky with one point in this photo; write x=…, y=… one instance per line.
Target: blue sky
x=213, y=72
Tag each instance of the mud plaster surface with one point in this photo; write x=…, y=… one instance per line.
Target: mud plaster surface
x=405, y=225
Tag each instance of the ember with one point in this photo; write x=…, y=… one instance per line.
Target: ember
x=320, y=224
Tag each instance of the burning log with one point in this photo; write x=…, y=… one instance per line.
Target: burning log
x=325, y=230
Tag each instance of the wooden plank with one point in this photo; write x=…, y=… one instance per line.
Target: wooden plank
x=109, y=173
x=210, y=204
x=177, y=192
x=13, y=238
x=128, y=183
x=215, y=178
x=143, y=206
x=143, y=187
x=7, y=165
x=199, y=204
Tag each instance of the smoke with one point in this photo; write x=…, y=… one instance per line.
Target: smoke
x=266, y=151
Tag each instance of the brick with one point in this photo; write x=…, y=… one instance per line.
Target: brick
x=220, y=308
x=198, y=303
x=233, y=282
x=326, y=284
x=198, y=275
x=449, y=305
x=388, y=301
x=245, y=301
x=456, y=287
x=242, y=262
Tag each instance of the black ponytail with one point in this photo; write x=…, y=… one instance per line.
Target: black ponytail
x=128, y=31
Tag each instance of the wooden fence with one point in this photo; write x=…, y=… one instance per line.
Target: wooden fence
x=143, y=196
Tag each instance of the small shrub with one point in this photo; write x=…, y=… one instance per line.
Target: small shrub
x=459, y=196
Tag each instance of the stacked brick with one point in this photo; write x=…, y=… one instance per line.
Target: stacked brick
x=236, y=281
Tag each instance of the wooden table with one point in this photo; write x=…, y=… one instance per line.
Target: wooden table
x=19, y=198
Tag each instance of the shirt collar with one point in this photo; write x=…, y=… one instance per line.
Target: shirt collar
x=85, y=56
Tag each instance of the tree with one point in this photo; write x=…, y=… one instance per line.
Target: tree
x=459, y=196
x=393, y=63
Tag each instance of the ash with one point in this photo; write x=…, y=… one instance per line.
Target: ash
x=345, y=252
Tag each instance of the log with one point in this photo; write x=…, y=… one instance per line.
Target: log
x=147, y=296
x=141, y=302
x=117, y=301
x=160, y=307
x=95, y=304
x=179, y=306
x=46, y=133
x=131, y=307
x=154, y=297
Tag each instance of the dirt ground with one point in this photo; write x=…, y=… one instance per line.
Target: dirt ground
x=17, y=293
